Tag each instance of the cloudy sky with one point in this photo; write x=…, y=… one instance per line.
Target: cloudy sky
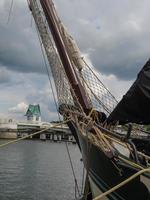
x=114, y=35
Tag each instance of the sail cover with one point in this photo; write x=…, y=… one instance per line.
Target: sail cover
x=135, y=104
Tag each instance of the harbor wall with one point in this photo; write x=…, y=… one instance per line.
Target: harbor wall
x=8, y=129
x=12, y=130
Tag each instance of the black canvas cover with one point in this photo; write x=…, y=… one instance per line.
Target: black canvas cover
x=135, y=104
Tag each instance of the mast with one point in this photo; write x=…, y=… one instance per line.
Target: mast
x=52, y=19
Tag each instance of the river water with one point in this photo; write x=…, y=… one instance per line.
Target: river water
x=37, y=170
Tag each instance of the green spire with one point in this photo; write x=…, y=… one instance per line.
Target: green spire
x=33, y=110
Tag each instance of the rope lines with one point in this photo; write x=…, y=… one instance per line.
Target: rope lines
x=10, y=11
x=100, y=96
x=47, y=70
x=87, y=187
x=127, y=161
x=39, y=32
x=30, y=135
x=122, y=183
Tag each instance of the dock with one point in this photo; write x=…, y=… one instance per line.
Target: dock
x=56, y=134
x=13, y=130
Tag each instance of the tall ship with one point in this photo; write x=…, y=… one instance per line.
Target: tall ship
x=114, y=148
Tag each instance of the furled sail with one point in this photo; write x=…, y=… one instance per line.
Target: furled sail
x=72, y=48
x=96, y=93
x=84, y=102
x=70, y=44
x=135, y=104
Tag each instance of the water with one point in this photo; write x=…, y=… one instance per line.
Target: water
x=36, y=170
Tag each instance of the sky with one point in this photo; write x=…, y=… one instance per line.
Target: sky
x=113, y=35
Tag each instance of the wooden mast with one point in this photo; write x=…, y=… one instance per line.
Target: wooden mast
x=48, y=8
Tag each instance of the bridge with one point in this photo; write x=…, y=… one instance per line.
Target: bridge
x=59, y=133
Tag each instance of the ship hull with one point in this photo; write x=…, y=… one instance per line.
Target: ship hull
x=103, y=173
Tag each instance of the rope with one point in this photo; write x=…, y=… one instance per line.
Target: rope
x=10, y=11
x=87, y=186
x=125, y=145
x=131, y=163
x=100, y=102
x=101, y=135
x=31, y=22
x=46, y=66
x=91, y=112
x=142, y=170
x=33, y=134
x=56, y=105
x=83, y=177
x=122, y=183
x=71, y=164
x=99, y=80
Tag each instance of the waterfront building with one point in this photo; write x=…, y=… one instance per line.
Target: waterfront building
x=33, y=113
x=8, y=128
x=11, y=129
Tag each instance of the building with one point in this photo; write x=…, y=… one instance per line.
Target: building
x=33, y=113
x=8, y=129
x=11, y=129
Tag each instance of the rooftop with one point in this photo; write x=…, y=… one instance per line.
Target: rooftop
x=33, y=110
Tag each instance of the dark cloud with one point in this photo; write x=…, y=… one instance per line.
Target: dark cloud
x=5, y=76
x=122, y=63
x=19, y=45
x=122, y=55
x=114, y=33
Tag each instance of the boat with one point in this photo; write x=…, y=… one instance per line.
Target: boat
x=117, y=163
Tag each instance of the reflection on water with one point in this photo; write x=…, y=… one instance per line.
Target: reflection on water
x=36, y=170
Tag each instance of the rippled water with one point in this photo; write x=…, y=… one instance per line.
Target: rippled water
x=36, y=170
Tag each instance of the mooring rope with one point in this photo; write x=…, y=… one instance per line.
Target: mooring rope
x=124, y=144
x=142, y=169
x=56, y=105
x=122, y=183
x=33, y=134
x=101, y=135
